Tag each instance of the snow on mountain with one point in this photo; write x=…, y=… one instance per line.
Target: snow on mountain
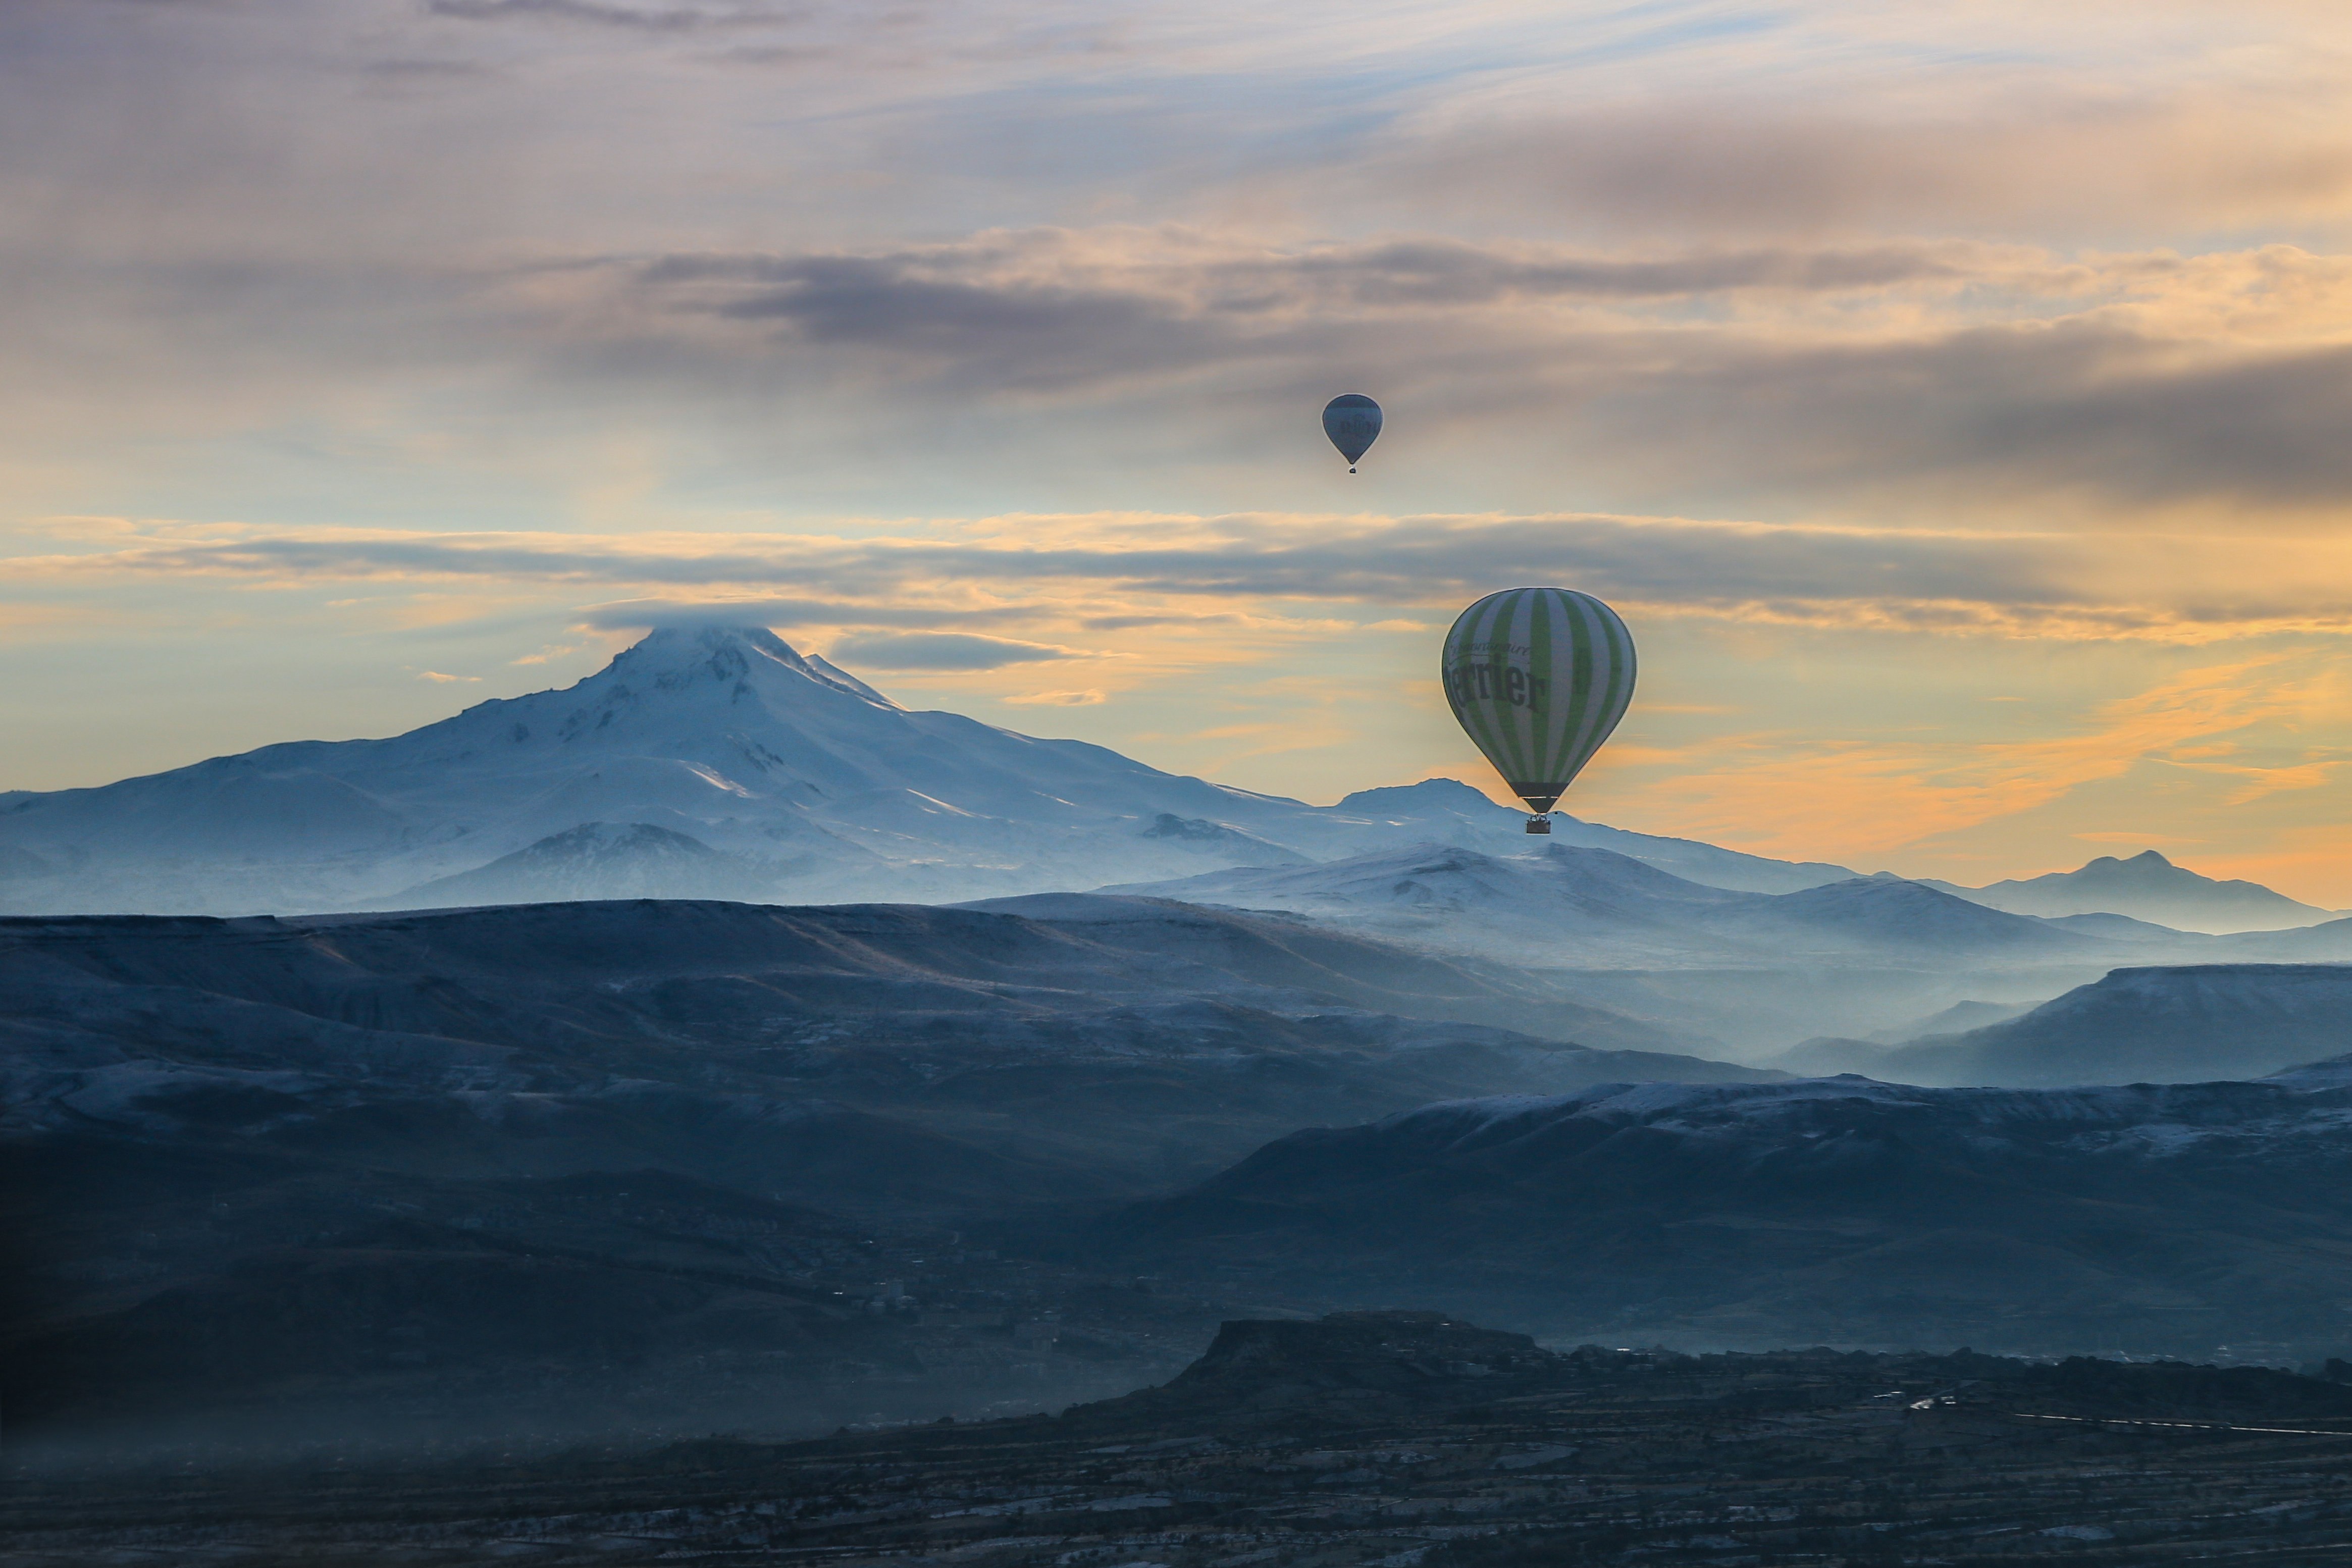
x=1476, y=988
x=2148, y=887
x=1888, y=915
x=1558, y=904
x=1563, y=904
x=1751, y=972
x=1427, y=810
x=1194, y=831
x=724, y=736
x=602, y=861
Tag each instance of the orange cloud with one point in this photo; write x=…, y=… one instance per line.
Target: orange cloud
x=1872, y=797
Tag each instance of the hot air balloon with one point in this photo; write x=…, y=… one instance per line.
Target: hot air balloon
x=1353, y=423
x=1539, y=676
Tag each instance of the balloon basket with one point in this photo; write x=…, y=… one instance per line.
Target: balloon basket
x=1539, y=825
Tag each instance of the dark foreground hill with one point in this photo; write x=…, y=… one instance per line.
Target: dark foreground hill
x=976, y=1057
x=1393, y=1437
x=2173, y=1218
x=553, y=1166
x=638, y=1165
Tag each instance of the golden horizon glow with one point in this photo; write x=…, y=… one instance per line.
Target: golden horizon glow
x=1952, y=401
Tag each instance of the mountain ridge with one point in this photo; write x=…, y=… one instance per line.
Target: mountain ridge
x=724, y=736
x=2148, y=887
x=1841, y=1208
x=1584, y=906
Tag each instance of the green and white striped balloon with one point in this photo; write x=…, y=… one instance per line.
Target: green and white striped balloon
x=1538, y=677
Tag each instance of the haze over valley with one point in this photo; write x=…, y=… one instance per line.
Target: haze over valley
x=786, y=1052
x=1150, y=785
x=713, y=762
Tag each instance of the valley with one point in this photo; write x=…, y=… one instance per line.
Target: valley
x=562, y=1165
x=657, y=1166
x=559, y=1094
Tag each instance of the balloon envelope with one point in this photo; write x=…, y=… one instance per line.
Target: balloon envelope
x=1353, y=423
x=1538, y=677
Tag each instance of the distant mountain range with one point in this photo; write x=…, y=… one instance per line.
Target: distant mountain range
x=720, y=762
x=2148, y=887
x=712, y=763
x=1594, y=908
x=1755, y=970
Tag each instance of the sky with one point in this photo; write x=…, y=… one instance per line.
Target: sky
x=1952, y=399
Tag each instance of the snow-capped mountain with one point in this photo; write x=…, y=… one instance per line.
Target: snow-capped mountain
x=1875, y=957
x=599, y=860
x=802, y=782
x=1570, y=904
x=2148, y=887
x=1594, y=908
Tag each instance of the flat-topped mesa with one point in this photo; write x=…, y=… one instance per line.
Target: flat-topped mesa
x=1345, y=1365
x=1384, y=1348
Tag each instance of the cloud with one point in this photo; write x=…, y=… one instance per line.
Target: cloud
x=1888, y=792
x=963, y=326
x=1971, y=149
x=640, y=18
x=941, y=651
x=425, y=70
x=2010, y=410
x=2138, y=840
x=1903, y=378
x=1087, y=698
x=1022, y=571
x=643, y=614
x=1907, y=374
x=440, y=679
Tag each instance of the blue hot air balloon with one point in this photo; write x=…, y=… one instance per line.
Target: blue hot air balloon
x=1353, y=423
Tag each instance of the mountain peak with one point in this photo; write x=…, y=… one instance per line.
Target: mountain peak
x=1420, y=799
x=673, y=656
x=2148, y=887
